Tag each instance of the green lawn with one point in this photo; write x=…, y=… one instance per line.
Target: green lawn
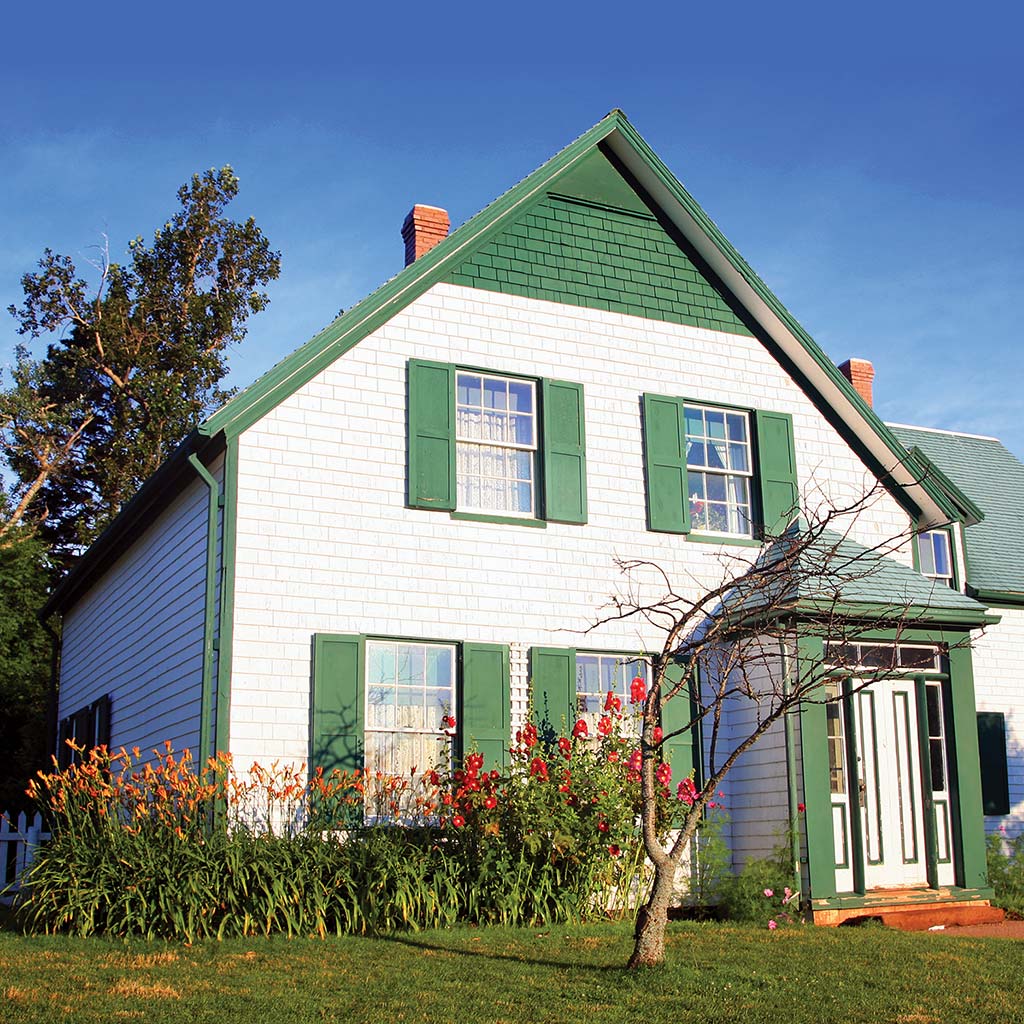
x=714, y=972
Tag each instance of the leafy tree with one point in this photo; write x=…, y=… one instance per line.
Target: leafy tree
x=24, y=666
x=131, y=366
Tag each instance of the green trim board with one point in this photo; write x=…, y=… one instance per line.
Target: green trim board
x=881, y=898
x=226, y=616
x=653, y=185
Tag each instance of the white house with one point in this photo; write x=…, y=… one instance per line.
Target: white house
x=419, y=511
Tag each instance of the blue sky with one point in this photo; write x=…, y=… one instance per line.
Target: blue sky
x=867, y=162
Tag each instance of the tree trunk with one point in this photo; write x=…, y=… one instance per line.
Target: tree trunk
x=651, y=919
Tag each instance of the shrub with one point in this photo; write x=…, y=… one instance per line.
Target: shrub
x=1005, y=859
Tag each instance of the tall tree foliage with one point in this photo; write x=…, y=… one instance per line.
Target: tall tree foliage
x=132, y=365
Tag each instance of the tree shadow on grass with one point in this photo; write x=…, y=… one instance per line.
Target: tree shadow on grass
x=571, y=961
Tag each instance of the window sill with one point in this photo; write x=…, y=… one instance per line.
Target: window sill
x=480, y=517
x=714, y=538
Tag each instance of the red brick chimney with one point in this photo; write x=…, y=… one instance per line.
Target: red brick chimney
x=424, y=227
x=860, y=373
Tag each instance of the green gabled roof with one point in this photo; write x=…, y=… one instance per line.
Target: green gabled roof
x=618, y=140
x=834, y=574
x=994, y=478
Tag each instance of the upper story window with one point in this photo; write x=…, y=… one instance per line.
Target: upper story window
x=492, y=446
x=935, y=556
x=496, y=444
x=719, y=470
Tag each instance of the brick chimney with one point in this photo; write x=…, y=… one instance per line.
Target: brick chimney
x=860, y=373
x=424, y=227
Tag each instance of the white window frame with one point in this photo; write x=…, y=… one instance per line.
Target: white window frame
x=926, y=541
x=632, y=665
x=465, y=439
x=433, y=730
x=729, y=473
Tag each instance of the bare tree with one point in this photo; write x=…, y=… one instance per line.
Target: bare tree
x=735, y=646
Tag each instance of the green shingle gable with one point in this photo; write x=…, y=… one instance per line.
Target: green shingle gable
x=592, y=241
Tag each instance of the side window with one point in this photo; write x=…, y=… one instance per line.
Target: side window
x=489, y=444
x=935, y=556
x=88, y=727
x=717, y=471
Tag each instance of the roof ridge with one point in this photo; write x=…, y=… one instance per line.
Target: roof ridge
x=939, y=430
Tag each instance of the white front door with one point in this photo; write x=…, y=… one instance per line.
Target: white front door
x=889, y=785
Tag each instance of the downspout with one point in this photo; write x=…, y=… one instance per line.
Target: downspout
x=54, y=694
x=794, y=800
x=216, y=501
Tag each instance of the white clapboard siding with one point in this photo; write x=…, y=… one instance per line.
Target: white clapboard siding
x=137, y=634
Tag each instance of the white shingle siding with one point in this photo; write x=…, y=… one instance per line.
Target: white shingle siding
x=326, y=544
x=137, y=634
x=999, y=686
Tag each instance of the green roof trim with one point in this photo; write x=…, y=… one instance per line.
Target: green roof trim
x=994, y=478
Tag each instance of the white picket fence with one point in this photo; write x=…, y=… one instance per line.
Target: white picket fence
x=17, y=846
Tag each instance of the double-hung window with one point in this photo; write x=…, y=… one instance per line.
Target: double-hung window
x=496, y=445
x=597, y=675
x=718, y=471
x=935, y=556
x=410, y=688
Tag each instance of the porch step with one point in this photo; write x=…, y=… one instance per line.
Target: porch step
x=915, y=917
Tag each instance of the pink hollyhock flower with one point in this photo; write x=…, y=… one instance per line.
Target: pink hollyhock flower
x=772, y=926
x=658, y=734
x=663, y=773
x=769, y=893
x=686, y=792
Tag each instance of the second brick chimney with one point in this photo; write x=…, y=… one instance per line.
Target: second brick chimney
x=860, y=373
x=424, y=227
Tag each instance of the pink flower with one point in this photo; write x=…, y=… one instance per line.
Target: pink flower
x=658, y=734
x=663, y=774
x=637, y=690
x=686, y=792
x=769, y=893
x=580, y=730
x=772, y=926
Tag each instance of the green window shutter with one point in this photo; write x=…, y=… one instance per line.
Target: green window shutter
x=780, y=493
x=337, y=702
x=995, y=786
x=101, y=720
x=486, y=702
x=668, y=506
x=553, y=675
x=431, y=435
x=676, y=714
x=565, y=457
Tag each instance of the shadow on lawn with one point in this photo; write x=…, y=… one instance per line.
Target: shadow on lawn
x=570, y=962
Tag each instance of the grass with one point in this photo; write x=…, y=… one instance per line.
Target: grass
x=715, y=972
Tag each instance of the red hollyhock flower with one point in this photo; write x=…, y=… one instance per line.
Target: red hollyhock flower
x=615, y=850
x=604, y=726
x=663, y=773
x=458, y=820
x=637, y=690
x=612, y=703
x=800, y=808
x=447, y=722
x=530, y=736
x=539, y=768
x=613, y=756
x=635, y=761
x=602, y=826
x=686, y=792
x=491, y=802
x=565, y=746
x=580, y=730
x=658, y=734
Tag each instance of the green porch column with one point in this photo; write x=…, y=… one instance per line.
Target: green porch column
x=965, y=771
x=821, y=863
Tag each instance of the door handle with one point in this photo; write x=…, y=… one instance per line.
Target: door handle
x=862, y=792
